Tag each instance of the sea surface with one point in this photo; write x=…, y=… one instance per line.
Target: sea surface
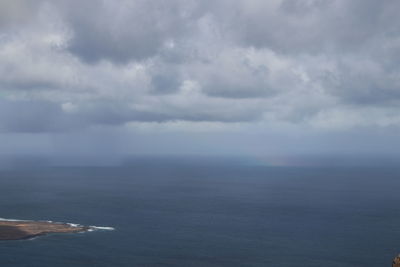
x=205, y=212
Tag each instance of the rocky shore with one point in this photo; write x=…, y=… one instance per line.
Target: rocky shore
x=396, y=261
x=16, y=230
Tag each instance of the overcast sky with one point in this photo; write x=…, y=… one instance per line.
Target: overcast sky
x=206, y=76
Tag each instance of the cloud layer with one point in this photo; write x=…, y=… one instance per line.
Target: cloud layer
x=320, y=64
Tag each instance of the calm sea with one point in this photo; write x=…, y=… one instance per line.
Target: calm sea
x=206, y=213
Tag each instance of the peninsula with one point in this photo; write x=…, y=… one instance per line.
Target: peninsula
x=17, y=230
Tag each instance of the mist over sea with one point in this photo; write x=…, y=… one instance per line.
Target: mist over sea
x=205, y=212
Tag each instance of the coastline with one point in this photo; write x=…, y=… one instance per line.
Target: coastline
x=11, y=229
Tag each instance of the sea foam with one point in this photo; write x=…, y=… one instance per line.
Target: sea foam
x=105, y=228
x=10, y=220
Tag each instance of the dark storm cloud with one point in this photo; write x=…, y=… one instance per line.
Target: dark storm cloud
x=127, y=30
x=164, y=83
x=364, y=85
x=44, y=116
x=314, y=63
x=113, y=114
x=314, y=26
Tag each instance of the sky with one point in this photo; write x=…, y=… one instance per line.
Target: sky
x=220, y=77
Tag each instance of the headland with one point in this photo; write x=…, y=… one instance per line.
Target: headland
x=17, y=230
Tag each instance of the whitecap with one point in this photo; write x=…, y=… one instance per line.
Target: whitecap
x=10, y=220
x=74, y=225
x=106, y=228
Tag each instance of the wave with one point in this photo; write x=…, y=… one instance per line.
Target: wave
x=11, y=220
x=17, y=220
x=92, y=228
x=74, y=225
x=104, y=228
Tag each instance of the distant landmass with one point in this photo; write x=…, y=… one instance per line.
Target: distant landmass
x=19, y=229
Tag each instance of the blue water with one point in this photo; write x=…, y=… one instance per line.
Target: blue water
x=204, y=213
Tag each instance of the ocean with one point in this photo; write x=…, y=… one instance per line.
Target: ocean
x=205, y=212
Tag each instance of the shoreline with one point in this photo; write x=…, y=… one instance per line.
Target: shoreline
x=25, y=229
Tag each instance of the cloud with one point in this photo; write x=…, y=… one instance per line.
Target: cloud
x=70, y=65
x=312, y=26
x=17, y=11
x=127, y=30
